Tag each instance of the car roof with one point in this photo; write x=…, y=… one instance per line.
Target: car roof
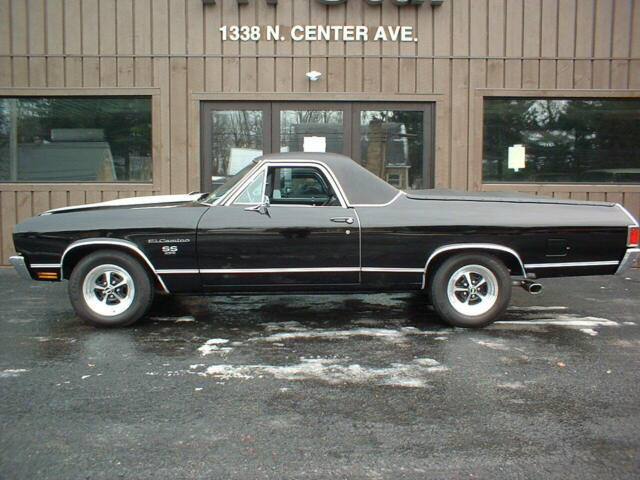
x=360, y=185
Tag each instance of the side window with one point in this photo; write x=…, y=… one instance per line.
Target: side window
x=299, y=186
x=253, y=192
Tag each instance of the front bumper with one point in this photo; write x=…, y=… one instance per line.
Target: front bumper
x=20, y=266
x=632, y=255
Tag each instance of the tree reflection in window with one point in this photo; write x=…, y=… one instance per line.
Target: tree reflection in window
x=566, y=140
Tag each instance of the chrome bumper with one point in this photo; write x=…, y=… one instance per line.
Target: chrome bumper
x=630, y=257
x=20, y=266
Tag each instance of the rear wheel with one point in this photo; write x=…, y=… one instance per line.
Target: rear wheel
x=109, y=288
x=471, y=290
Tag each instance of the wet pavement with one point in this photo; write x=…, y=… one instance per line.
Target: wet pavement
x=327, y=387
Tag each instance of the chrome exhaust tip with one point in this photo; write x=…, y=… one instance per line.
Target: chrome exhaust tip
x=533, y=288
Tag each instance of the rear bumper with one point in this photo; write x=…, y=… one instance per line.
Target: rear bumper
x=632, y=255
x=20, y=266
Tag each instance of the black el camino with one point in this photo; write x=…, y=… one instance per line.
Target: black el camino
x=320, y=223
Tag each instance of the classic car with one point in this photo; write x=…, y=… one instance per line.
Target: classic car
x=321, y=223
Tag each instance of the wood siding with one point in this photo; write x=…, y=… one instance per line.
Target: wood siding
x=172, y=50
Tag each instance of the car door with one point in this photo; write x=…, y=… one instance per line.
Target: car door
x=306, y=238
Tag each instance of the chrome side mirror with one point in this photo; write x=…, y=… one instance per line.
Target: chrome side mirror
x=262, y=208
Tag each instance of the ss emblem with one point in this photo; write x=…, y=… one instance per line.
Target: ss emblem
x=169, y=250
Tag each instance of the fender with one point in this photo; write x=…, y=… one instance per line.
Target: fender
x=471, y=246
x=117, y=242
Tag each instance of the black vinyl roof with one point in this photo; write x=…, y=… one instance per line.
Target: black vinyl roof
x=359, y=184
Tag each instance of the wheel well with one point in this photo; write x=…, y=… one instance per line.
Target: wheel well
x=76, y=254
x=509, y=259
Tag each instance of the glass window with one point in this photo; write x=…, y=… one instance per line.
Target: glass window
x=236, y=140
x=392, y=143
x=299, y=186
x=311, y=131
x=561, y=140
x=254, y=192
x=75, y=139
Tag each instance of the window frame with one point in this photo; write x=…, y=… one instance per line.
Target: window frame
x=264, y=167
x=157, y=150
x=477, y=119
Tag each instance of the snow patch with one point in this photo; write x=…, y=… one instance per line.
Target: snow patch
x=213, y=345
x=535, y=308
x=386, y=334
x=589, y=331
x=12, y=372
x=492, y=345
x=567, y=320
x=335, y=371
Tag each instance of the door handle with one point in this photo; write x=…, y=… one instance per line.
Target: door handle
x=347, y=220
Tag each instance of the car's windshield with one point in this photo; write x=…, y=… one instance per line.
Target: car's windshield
x=228, y=185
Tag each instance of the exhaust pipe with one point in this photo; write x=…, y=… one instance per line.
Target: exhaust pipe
x=533, y=288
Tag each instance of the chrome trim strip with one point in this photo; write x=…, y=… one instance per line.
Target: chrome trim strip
x=630, y=257
x=289, y=270
x=111, y=241
x=392, y=270
x=20, y=266
x=469, y=246
x=631, y=217
x=45, y=265
x=572, y=264
x=379, y=204
x=167, y=271
x=280, y=270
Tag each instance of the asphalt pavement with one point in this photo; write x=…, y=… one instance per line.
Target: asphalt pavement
x=323, y=387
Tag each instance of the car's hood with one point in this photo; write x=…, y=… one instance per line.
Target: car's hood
x=155, y=201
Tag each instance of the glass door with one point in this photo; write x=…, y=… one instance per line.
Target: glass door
x=233, y=135
x=392, y=140
x=312, y=127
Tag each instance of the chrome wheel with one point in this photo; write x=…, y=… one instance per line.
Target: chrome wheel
x=472, y=290
x=108, y=290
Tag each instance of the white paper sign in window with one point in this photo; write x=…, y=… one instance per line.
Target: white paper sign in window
x=516, y=157
x=315, y=144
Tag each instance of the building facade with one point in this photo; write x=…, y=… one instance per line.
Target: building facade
x=104, y=99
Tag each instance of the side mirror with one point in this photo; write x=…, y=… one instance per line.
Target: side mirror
x=263, y=208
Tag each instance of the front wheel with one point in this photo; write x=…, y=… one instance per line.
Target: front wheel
x=471, y=290
x=109, y=288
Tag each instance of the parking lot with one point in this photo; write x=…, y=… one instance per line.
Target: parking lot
x=326, y=387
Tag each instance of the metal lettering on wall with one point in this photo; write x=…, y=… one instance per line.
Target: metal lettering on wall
x=311, y=33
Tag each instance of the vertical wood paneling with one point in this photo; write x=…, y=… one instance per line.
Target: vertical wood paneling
x=602, y=43
x=318, y=48
x=389, y=73
x=459, y=96
x=336, y=49
x=566, y=42
x=585, y=10
x=230, y=63
x=531, y=43
x=5, y=44
x=634, y=65
x=143, y=67
x=108, y=63
x=124, y=43
x=8, y=201
x=424, y=67
x=90, y=43
x=548, y=42
x=19, y=42
x=354, y=66
x=212, y=45
x=274, y=74
x=496, y=32
x=248, y=50
x=55, y=43
x=513, y=29
x=300, y=49
x=442, y=84
x=621, y=42
x=371, y=66
x=36, y=32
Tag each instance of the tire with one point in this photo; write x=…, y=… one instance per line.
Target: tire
x=472, y=307
x=119, y=307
